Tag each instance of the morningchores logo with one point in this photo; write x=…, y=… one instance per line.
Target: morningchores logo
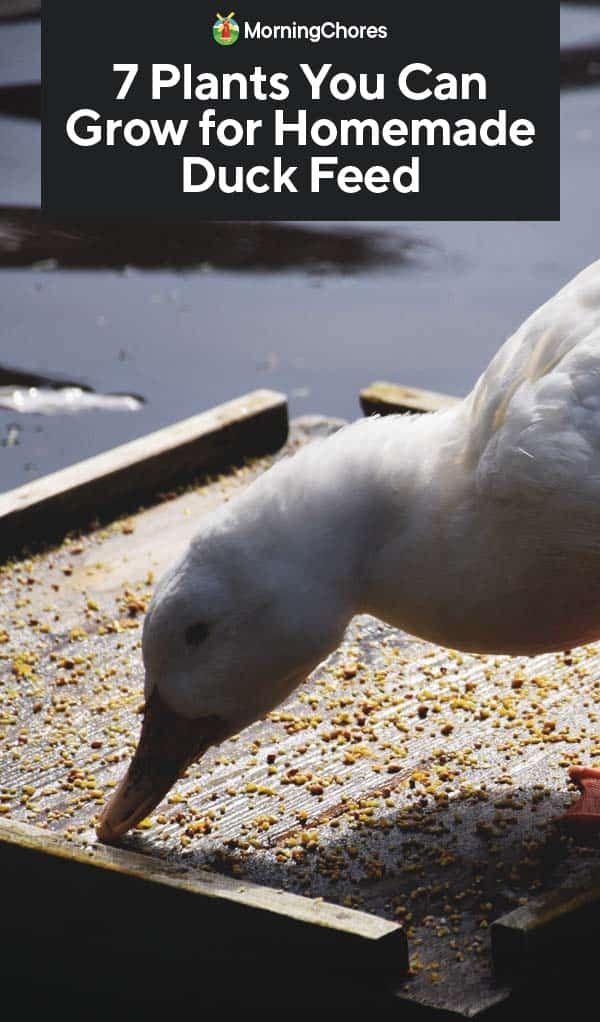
x=323, y=32
x=226, y=30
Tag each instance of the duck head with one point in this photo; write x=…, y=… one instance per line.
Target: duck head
x=232, y=628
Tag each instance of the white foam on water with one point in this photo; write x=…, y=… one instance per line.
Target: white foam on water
x=64, y=400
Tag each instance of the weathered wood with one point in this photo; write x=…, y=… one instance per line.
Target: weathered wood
x=11, y=10
x=549, y=925
x=252, y=425
x=123, y=903
x=382, y=398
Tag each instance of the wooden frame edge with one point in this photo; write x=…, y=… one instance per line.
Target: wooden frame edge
x=381, y=398
x=360, y=937
x=47, y=508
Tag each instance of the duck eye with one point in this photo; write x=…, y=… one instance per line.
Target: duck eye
x=195, y=634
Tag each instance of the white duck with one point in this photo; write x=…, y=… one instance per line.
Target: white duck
x=477, y=527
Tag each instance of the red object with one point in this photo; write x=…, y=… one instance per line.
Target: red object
x=226, y=33
x=585, y=813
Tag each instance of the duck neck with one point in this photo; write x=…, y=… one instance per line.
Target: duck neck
x=366, y=504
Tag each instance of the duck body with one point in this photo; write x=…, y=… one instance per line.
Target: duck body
x=516, y=571
x=477, y=527
x=503, y=549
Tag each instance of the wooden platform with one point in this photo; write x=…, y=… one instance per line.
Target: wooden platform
x=411, y=788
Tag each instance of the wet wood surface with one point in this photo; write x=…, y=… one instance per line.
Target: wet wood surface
x=409, y=782
x=391, y=398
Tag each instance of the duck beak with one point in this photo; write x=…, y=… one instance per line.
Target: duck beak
x=168, y=744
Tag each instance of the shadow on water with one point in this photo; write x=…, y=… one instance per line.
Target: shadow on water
x=580, y=65
x=15, y=10
x=10, y=377
x=21, y=100
x=26, y=240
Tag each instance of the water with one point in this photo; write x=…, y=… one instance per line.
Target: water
x=429, y=310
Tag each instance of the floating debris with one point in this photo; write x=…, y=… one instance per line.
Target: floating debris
x=36, y=394
x=12, y=435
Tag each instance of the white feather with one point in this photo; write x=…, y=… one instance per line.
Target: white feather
x=477, y=527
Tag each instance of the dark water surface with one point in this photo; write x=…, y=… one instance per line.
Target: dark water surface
x=315, y=310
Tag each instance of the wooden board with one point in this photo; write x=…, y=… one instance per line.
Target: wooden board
x=401, y=780
x=391, y=398
x=556, y=925
x=46, y=508
x=130, y=901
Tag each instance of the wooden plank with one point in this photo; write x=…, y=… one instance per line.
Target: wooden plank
x=11, y=10
x=127, y=902
x=382, y=398
x=557, y=923
x=248, y=426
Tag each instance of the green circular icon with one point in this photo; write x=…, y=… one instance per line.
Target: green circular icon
x=226, y=31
